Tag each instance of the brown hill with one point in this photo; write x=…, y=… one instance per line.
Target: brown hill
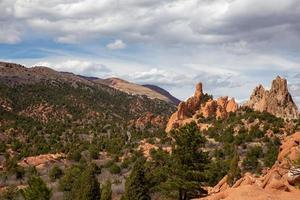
x=164, y=93
x=43, y=86
x=277, y=101
x=153, y=92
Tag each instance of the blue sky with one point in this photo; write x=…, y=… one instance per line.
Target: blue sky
x=229, y=45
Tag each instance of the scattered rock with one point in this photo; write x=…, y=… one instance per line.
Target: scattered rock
x=5, y=104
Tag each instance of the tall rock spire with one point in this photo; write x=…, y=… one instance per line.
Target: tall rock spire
x=277, y=101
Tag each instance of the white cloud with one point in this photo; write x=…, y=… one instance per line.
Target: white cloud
x=117, y=44
x=224, y=43
x=165, y=21
x=9, y=34
x=80, y=67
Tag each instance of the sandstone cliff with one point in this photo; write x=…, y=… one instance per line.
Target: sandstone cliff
x=277, y=101
x=201, y=105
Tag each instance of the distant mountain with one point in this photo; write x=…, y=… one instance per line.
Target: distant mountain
x=151, y=91
x=164, y=93
x=45, y=95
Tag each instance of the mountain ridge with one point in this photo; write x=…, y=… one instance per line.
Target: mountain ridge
x=43, y=72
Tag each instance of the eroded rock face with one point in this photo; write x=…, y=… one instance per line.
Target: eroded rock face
x=277, y=183
x=277, y=101
x=200, y=105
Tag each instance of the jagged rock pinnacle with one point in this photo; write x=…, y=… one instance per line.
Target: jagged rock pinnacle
x=277, y=101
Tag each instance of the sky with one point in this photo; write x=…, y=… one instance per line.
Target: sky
x=229, y=45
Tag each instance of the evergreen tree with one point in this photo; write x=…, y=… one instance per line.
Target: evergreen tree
x=188, y=163
x=86, y=187
x=136, y=187
x=234, y=170
x=106, y=193
x=36, y=190
x=67, y=181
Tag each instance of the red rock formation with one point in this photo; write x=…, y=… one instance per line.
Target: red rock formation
x=277, y=183
x=209, y=109
x=41, y=160
x=194, y=102
x=200, y=105
x=149, y=119
x=184, y=109
x=277, y=101
x=231, y=106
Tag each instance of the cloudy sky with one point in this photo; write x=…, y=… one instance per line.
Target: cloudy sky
x=229, y=45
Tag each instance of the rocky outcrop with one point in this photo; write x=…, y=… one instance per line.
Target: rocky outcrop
x=201, y=104
x=277, y=101
x=41, y=160
x=146, y=148
x=277, y=183
x=149, y=119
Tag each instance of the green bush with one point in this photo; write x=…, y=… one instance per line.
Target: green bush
x=55, y=173
x=114, y=169
x=94, y=153
x=69, y=177
x=36, y=190
x=76, y=156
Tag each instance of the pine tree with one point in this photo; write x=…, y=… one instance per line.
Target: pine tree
x=36, y=190
x=188, y=163
x=234, y=170
x=86, y=187
x=136, y=187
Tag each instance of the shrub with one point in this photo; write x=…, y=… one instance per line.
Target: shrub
x=114, y=169
x=76, y=156
x=37, y=189
x=70, y=176
x=93, y=152
x=55, y=173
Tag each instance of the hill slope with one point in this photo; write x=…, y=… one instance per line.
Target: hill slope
x=153, y=92
x=67, y=104
x=164, y=93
